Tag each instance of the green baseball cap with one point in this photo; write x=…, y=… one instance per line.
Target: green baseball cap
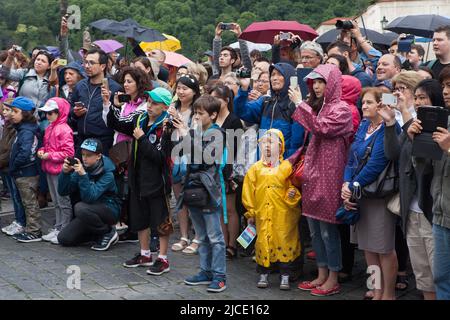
x=160, y=95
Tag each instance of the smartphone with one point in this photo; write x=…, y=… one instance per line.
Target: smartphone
x=72, y=161
x=294, y=82
x=388, y=99
x=62, y=62
x=124, y=98
x=285, y=36
x=79, y=104
x=105, y=83
x=226, y=26
x=404, y=44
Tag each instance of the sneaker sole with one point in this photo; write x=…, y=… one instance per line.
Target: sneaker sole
x=197, y=283
x=285, y=288
x=262, y=286
x=158, y=273
x=216, y=290
x=149, y=264
x=29, y=241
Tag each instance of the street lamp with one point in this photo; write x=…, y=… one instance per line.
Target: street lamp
x=384, y=23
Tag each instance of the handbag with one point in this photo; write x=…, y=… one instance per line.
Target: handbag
x=298, y=163
x=120, y=153
x=387, y=181
x=195, y=195
x=393, y=204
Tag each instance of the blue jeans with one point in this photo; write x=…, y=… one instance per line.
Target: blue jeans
x=326, y=242
x=19, y=211
x=441, y=267
x=212, y=243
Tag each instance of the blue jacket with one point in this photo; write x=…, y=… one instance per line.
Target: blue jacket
x=97, y=187
x=274, y=111
x=363, y=77
x=377, y=160
x=23, y=152
x=91, y=124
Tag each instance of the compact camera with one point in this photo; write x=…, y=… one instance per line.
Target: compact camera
x=244, y=73
x=344, y=25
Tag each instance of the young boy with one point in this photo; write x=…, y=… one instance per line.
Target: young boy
x=148, y=177
x=97, y=211
x=272, y=205
x=205, y=175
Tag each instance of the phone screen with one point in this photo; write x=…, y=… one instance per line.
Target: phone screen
x=388, y=99
x=105, y=83
x=294, y=82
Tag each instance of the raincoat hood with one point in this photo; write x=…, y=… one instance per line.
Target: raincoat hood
x=72, y=65
x=280, y=137
x=287, y=71
x=64, y=109
x=351, y=89
x=333, y=78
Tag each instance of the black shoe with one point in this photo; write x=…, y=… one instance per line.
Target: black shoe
x=27, y=237
x=154, y=244
x=108, y=239
x=129, y=237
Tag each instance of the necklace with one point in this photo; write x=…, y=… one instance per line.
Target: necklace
x=372, y=128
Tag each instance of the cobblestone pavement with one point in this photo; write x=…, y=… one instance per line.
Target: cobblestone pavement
x=39, y=271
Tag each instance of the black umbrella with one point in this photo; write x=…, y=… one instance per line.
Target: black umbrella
x=375, y=37
x=419, y=25
x=129, y=29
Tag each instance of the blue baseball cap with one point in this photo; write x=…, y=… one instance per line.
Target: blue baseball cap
x=92, y=145
x=22, y=103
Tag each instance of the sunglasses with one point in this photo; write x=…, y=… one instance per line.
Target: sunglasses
x=49, y=113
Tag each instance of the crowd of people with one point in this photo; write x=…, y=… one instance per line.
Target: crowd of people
x=112, y=142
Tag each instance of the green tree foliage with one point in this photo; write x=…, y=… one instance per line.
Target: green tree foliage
x=191, y=21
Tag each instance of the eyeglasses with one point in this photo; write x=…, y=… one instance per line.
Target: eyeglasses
x=401, y=89
x=307, y=58
x=90, y=63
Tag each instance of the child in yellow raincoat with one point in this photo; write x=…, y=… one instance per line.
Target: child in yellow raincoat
x=272, y=204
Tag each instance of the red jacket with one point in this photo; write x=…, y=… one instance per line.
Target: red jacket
x=58, y=140
x=351, y=90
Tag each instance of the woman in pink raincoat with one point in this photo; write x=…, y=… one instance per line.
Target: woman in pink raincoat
x=329, y=120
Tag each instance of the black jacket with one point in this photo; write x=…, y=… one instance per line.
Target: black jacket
x=412, y=180
x=149, y=170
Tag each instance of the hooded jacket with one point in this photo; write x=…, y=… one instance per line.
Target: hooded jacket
x=91, y=124
x=22, y=161
x=6, y=141
x=58, y=140
x=93, y=187
x=351, y=90
x=62, y=82
x=30, y=85
x=265, y=196
x=273, y=112
x=326, y=155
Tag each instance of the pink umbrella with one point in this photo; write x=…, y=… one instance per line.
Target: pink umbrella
x=109, y=45
x=175, y=59
x=264, y=32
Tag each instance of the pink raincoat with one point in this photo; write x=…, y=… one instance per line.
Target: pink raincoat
x=326, y=155
x=58, y=140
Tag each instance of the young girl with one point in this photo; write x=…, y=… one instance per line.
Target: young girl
x=23, y=166
x=272, y=205
x=58, y=145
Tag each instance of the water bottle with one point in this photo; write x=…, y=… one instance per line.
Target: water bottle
x=356, y=194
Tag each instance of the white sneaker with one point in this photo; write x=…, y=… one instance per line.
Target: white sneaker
x=16, y=229
x=54, y=240
x=8, y=227
x=50, y=235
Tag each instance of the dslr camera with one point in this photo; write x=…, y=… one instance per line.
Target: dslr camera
x=244, y=73
x=344, y=25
